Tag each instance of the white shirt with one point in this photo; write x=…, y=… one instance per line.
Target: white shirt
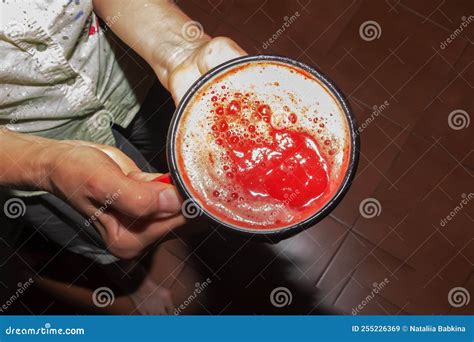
x=62, y=75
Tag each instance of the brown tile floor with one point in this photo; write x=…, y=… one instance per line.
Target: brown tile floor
x=413, y=163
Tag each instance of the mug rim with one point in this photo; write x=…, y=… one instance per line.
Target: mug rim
x=311, y=219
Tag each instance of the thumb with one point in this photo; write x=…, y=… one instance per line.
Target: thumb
x=142, y=198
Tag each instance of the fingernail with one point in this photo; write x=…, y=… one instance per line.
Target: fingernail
x=169, y=200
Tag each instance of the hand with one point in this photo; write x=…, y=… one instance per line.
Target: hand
x=106, y=186
x=156, y=30
x=200, y=60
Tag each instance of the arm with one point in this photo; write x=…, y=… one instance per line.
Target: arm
x=24, y=160
x=87, y=175
x=161, y=33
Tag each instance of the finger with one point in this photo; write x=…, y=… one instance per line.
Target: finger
x=146, y=199
x=126, y=164
x=143, y=176
x=131, y=237
x=159, y=228
x=134, y=198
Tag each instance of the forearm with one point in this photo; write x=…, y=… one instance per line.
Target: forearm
x=24, y=160
x=153, y=28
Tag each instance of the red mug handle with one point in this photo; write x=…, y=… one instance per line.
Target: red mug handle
x=164, y=178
